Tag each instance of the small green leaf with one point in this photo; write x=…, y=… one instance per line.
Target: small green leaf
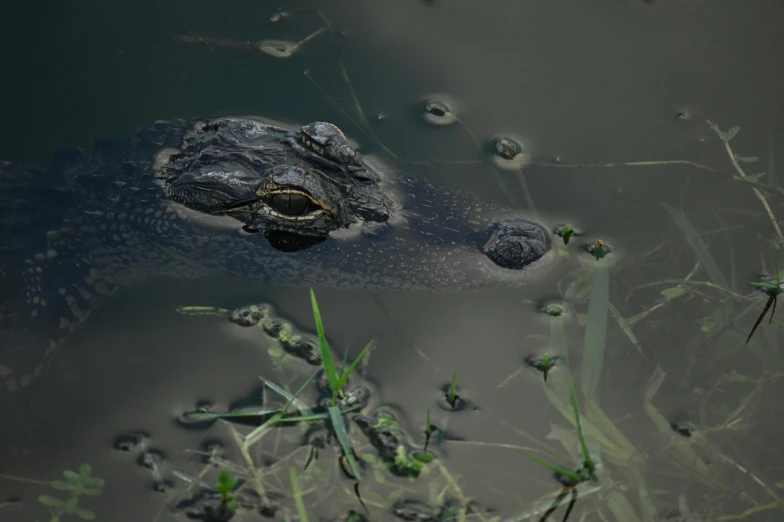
x=452, y=394
x=747, y=159
x=72, y=476
x=348, y=371
x=72, y=505
x=85, y=514
x=368, y=457
x=46, y=500
x=226, y=482
x=85, y=470
x=754, y=178
x=587, y=462
x=425, y=458
x=727, y=136
x=64, y=486
x=567, y=233
x=672, y=293
x=93, y=482
x=327, y=361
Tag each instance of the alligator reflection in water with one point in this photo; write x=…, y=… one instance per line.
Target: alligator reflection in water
x=235, y=196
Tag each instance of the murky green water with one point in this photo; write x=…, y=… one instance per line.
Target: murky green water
x=580, y=83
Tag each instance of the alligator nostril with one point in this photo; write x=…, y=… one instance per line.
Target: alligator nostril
x=517, y=245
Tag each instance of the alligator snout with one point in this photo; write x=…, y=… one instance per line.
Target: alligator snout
x=515, y=245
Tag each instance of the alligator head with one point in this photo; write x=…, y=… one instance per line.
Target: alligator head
x=304, y=206
x=233, y=196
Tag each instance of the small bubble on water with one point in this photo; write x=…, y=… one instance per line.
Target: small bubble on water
x=683, y=116
x=508, y=152
x=508, y=148
x=439, y=110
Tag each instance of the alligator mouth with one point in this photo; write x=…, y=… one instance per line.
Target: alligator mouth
x=290, y=242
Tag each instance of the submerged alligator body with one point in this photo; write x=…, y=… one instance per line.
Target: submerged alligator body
x=237, y=196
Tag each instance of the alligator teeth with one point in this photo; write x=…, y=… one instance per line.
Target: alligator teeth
x=307, y=217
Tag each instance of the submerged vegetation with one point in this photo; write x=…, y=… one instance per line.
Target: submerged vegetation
x=66, y=502
x=611, y=472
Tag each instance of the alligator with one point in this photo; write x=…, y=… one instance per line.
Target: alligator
x=240, y=196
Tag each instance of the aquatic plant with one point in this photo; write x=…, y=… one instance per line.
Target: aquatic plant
x=77, y=484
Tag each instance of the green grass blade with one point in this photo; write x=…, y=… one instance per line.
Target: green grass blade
x=552, y=467
x=698, y=245
x=771, y=300
x=327, y=362
x=452, y=394
x=579, y=425
x=340, y=430
x=256, y=435
x=292, y=399
x=208, y=416
x=297, y=493
x=596, y=331
x=348, y=371
x=318, y=416
x=305, y=418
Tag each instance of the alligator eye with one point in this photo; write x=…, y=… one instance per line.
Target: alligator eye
x=291, y=204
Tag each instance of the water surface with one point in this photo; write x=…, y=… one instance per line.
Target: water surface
x=581, y=83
